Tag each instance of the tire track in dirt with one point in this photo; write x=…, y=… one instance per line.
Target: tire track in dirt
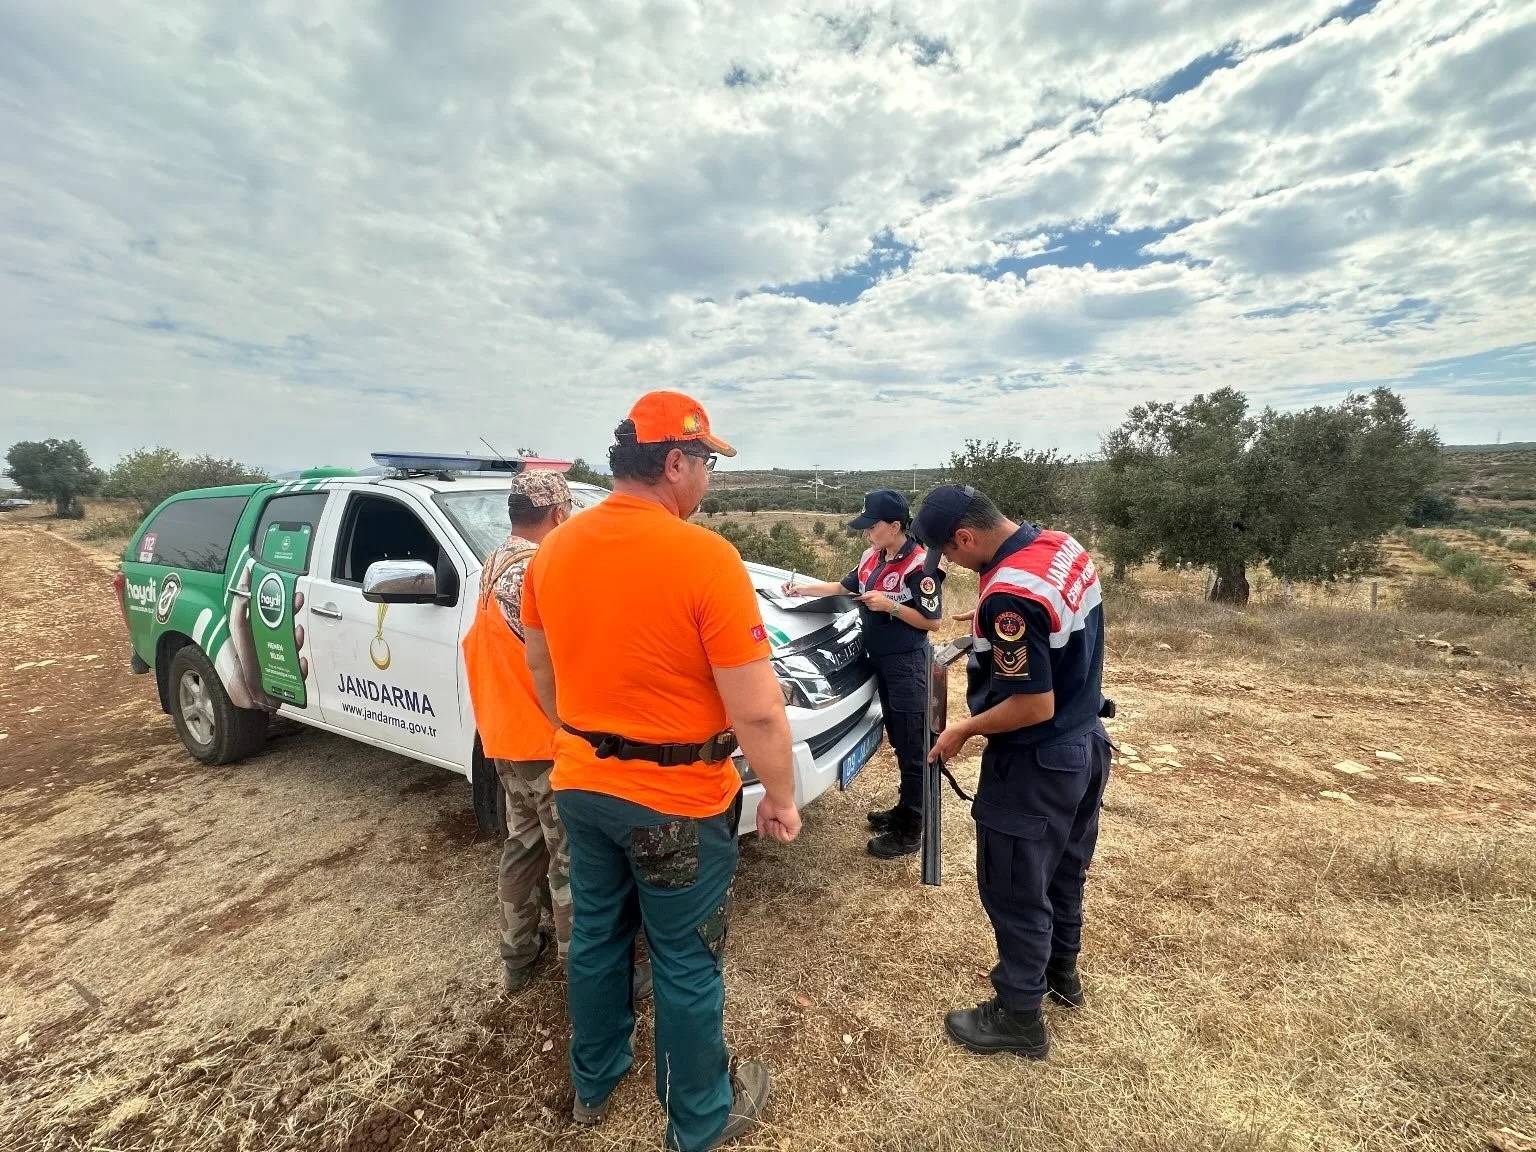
x=73, y=712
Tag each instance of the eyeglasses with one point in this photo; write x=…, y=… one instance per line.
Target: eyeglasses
x=709, y=458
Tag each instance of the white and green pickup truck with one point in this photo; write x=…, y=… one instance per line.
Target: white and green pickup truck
x=339, y=600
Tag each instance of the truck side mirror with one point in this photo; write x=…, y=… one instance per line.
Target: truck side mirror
x=400, y=582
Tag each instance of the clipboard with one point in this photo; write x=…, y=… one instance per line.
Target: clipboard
x=822, y=605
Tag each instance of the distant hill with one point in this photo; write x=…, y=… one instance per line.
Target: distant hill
x=1515, y=446
x=1491, y=471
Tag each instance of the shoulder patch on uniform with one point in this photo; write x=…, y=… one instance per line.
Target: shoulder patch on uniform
x=1009, y=627
x=931, y=603
x=759, y=633
x=929, y=586
x=1011, y=664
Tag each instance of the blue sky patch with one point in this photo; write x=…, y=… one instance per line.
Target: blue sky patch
x=1196, y=72
x=1193, y=74
x=1102, y=245
x=739, y=77
x=1283, y=311
x=1413, y=310
x=1352, y=11
x=1510, y=370
x=886, y=256
x=928, y=50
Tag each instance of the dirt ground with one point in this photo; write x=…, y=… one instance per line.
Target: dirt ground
x=1293, y=942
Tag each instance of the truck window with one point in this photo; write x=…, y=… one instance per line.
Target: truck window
x=193, y=533
x=378, y=528
x=285, y=534
x=480, y=514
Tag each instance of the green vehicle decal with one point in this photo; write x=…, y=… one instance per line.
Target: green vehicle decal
x=213, y=608
x=272, y=629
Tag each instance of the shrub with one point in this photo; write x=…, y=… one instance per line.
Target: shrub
x=1481, y=574
x=149, y=476
x=1432, y=594
x=117, y=528
x=781, y=548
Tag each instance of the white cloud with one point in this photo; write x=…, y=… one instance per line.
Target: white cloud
x=297, y=233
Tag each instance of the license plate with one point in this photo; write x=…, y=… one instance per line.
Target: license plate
x=854, y=762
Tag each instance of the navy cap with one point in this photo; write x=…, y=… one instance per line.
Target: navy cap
x=938, y=518
x=882, y=504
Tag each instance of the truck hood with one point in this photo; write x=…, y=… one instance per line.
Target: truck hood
x=785, y=627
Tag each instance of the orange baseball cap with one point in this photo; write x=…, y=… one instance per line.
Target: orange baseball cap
x=662, y=416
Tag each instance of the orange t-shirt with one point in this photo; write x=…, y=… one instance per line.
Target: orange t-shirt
x=637, y=607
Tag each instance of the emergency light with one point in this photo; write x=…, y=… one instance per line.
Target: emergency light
x=427, y=462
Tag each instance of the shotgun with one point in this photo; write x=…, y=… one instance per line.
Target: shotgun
x=935, y=718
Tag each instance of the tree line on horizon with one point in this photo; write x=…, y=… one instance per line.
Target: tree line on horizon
x=1202, y=484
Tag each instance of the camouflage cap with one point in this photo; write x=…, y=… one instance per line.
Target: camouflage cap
x=539, y=488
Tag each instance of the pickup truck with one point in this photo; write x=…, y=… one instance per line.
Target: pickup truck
x=339, y=600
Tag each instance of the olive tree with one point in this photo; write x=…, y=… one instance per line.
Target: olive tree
x=1309, y=493
x=61, y=470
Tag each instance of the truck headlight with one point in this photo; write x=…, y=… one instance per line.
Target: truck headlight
x=802, y=683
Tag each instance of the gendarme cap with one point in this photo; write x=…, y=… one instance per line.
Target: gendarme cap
x=882, y=504
x=938, y=518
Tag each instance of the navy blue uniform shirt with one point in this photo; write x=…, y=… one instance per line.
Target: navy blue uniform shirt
x=903, y=581
x=1023, y=650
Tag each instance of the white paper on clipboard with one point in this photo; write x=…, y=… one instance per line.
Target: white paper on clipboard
x=826, y=605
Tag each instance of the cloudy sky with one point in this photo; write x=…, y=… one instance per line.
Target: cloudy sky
x=297, y=232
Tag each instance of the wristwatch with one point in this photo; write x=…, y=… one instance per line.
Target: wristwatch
x=894, y=608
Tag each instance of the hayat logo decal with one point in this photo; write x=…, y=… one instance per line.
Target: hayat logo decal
x=169, y=590
x=271, y=600
x=141, y=597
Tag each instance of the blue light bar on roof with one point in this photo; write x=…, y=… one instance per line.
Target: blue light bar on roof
x=445, y=462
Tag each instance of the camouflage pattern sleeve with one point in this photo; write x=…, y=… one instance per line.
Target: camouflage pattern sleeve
x=508, y=580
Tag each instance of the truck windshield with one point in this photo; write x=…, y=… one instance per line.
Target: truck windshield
x=480, y=514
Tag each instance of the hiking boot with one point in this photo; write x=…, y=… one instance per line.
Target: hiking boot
x=640, y=983
x=752, y=1083
x=881, y=821
x=989, y=1028
x=519, y=978
x=1063, y=985
x=590, y=1116
x=904, y=837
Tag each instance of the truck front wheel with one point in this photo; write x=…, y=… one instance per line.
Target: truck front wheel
x=209, y=724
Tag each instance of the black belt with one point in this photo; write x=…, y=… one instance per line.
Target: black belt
x=611, y=746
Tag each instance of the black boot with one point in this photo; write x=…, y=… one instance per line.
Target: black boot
x=1063, y=985
x=989, y=1028
x=881, y=821
x=904, y=837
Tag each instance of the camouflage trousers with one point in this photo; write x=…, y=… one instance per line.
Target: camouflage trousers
x=535, y=872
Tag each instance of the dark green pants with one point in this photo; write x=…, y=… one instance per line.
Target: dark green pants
x=632, y=865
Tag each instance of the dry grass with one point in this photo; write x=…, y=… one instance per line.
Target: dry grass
x=1279, y=956
x=1310, y=638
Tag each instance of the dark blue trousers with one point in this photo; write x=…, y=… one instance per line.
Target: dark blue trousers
x=1037, y=823
x=902, y=679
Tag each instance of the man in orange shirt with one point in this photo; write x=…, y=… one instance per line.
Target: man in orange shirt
x=516, y=735
x=654, y=687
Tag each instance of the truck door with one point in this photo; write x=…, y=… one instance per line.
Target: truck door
x=282, y=553
x=389, y=672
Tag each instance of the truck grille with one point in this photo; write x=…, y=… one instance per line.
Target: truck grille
x=851, y=677
x=824, y=742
